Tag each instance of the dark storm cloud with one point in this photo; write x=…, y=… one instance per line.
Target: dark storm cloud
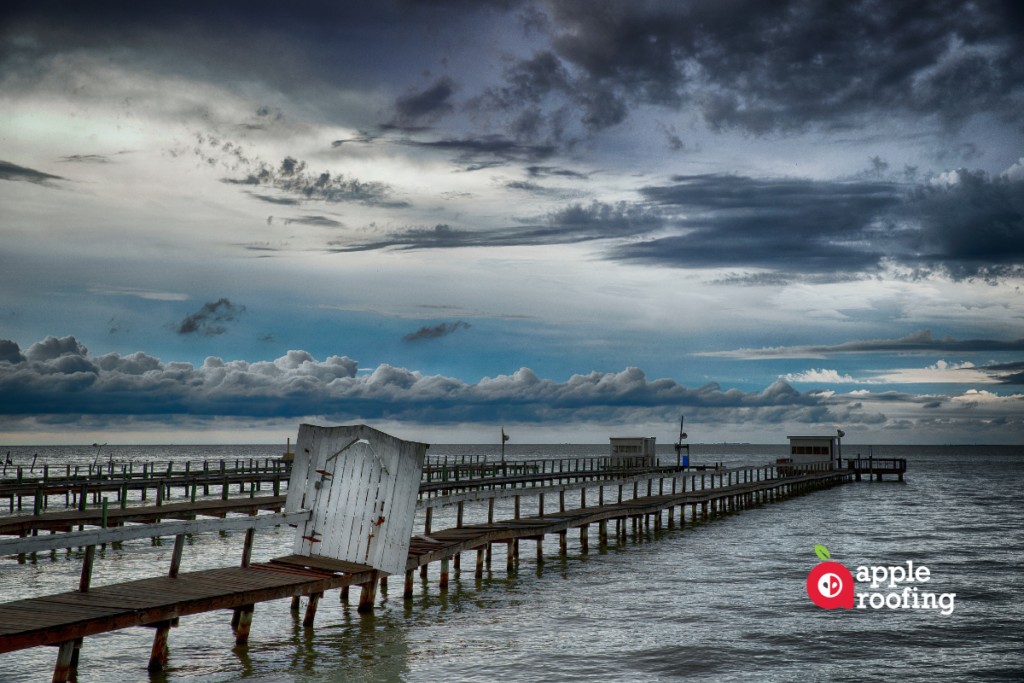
x=275, y=200
x=575, y=223
x=972, y=227
x=321, y=221
x=87, y=159
x=540, y=99
x=1006, y=373
x=964, y=225
x=292, y=177
x=961, y=225
x=208, y=319
x=11, y=352
x=363, y=137
x=487, y=151
x=919, y=342
x=544, y=171
x=441, y=330
x=430, y=104
x=755, y=65
x=9, y=171
x=543, y=191
x=763, y=66
x=789, y=225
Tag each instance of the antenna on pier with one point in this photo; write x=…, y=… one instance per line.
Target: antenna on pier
x=680, y=446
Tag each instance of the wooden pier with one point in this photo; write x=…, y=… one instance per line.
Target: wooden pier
x=76, y=482
x=568, y=495
x=876, y=467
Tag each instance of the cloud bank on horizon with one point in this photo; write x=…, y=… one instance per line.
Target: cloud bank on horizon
x=55, y=381
x=763, y=204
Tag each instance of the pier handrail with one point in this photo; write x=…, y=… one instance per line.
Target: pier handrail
x=74, y=539
x=878, y=463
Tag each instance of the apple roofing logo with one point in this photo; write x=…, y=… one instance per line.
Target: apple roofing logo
x=830, y=584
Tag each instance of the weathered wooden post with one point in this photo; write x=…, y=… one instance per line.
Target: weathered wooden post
x=62, y=671
x=160, y=653
x=369, y=593
x=314, y=601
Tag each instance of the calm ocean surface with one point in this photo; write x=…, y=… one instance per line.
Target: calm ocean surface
x=723, y=601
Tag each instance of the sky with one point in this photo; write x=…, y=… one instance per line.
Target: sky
x=571, y=220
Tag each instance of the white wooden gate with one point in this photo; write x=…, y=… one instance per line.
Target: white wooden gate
x=361, y=485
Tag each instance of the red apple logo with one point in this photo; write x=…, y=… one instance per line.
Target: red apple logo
x=830, y=584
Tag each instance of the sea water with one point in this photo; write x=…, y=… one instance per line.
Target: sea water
x=724, y=600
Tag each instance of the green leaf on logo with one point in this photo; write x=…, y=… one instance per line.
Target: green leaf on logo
x=822, y=553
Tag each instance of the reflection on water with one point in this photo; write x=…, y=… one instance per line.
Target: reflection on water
x=722, y=601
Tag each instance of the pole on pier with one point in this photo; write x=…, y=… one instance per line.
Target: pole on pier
x=408, y=582
x=444, y=574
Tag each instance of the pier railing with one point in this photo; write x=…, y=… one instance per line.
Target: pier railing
x=876, y=467
x=75, y=482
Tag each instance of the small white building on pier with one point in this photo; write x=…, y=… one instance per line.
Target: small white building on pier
x=811, y=448
x=635, y=451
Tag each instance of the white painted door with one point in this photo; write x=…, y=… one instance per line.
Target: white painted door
x=361, y=485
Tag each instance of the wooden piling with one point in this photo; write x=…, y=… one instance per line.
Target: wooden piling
x=369, y=593
x=408, y=585
x=244, y=624
x=62, y=670
x=314, y=601
x=160, y=653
